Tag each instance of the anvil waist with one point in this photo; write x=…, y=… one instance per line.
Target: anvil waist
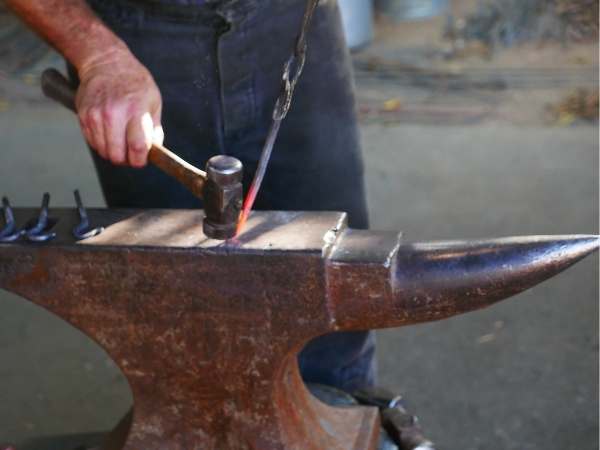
x=218, y=67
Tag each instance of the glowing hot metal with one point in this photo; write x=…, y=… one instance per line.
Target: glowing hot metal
x=292, y=69
x=259, y=175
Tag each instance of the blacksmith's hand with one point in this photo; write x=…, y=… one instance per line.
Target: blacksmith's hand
x=119, y=107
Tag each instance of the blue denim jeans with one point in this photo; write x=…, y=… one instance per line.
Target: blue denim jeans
x=218, y=65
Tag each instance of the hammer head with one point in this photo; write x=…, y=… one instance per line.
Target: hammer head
x=222, y=196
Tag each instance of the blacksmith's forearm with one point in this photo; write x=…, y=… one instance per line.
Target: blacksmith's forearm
x=71, y=27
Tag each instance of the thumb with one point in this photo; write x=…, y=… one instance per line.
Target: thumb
x=158, y=134
x=153, y=131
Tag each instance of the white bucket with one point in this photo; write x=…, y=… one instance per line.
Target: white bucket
x=400, y=10
x=357, y=18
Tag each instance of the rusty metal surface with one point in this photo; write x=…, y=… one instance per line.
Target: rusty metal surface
x=207, y=332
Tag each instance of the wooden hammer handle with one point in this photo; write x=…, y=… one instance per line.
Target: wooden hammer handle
x=171, y=164
x=58, y=88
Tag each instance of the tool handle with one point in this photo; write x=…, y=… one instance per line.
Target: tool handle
x=58, y=88
x=171, y=164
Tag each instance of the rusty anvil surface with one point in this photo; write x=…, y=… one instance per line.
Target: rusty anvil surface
x=207, y=332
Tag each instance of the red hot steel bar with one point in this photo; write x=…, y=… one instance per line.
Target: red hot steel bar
x=207, y=332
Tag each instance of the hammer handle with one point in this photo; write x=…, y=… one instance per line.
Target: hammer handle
x=58, y=88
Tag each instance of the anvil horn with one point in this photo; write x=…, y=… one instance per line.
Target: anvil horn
x=422, y=282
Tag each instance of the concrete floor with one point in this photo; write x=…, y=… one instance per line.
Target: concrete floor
x=521, y=375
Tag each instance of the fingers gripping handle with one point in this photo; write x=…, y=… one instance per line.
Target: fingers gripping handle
x=58, y=88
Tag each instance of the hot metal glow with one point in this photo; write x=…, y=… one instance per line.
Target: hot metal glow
x=259, y=175
x=246, y=208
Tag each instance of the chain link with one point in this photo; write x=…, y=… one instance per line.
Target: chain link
x=292, y=69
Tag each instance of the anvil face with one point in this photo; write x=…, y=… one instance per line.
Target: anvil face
x=269, y=231
x=207, y=332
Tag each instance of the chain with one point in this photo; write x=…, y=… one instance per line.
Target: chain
x=292, y=69
x=291, y=73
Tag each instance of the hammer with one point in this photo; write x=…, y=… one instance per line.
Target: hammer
x=220, y=187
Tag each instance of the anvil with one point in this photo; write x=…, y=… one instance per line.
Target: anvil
x=207, y=332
